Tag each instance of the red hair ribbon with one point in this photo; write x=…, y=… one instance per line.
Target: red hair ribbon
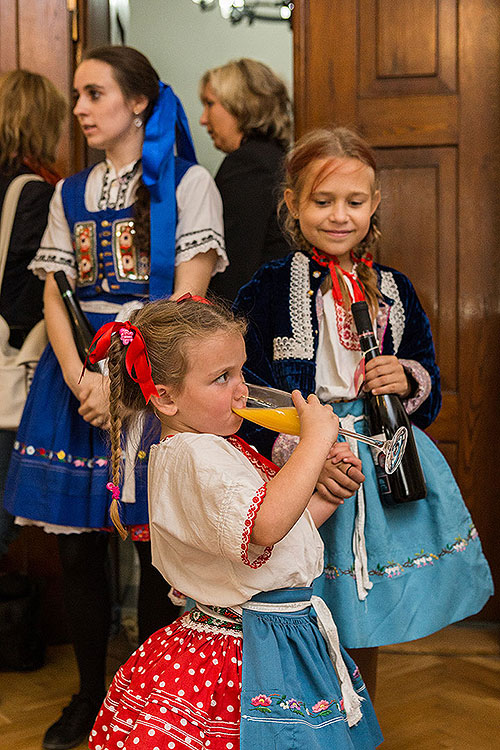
x=194, y=297
x=332, y=262
x=136, y=359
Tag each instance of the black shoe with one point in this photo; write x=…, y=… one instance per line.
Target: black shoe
x=74, y=726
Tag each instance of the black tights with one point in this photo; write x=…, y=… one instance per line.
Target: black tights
x=88, y=603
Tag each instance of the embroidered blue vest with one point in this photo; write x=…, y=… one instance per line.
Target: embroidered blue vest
x=104, y=244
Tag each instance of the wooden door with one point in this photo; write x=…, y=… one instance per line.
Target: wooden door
x=47, y=37
x=420, y=80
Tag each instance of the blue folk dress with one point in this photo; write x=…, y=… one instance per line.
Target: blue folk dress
x=392, y=574
x=59, y=467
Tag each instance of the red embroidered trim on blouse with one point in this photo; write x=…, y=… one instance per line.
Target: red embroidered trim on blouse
x=345, y=327
x=247, y=530
x=269, y=469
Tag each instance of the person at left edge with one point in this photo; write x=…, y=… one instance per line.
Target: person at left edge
x=146, y=222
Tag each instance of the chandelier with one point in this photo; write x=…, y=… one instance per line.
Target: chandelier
x=253, y=10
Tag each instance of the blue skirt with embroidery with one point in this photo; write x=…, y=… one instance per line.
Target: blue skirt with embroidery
x=424, y=557
x=60, y=463
x=291, y=697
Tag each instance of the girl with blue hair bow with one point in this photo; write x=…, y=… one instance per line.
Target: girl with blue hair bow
x=146, y=222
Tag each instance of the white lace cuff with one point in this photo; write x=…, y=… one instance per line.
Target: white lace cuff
x=201, y=241
x=52, y=259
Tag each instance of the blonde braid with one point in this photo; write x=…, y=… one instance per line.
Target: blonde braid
x=367, y=275
x=115, y=430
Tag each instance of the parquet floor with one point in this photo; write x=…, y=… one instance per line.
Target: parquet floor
x=438, y=693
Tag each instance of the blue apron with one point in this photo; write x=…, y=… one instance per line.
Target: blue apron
x=425, y=566
x=292, y=695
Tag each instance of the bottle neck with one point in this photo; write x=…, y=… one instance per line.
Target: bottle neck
x=369, y=345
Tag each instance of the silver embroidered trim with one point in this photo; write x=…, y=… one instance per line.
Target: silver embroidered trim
x=397, y=316
x=300, y=345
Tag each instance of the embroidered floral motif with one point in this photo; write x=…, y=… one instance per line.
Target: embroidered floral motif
x=197, y=620
x=66, y=458
x=421, y=559
x=264, y=704
x=348, y=336
x=131, y=263
x=247, y=530
x=423, y=380
x=84, y=233
x=139, y=532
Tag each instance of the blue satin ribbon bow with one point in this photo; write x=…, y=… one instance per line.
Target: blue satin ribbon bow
x=167, y=127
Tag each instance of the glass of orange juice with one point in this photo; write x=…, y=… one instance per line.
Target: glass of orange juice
x=274, y=409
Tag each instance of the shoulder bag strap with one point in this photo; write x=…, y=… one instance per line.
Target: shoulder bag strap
x=8, y=213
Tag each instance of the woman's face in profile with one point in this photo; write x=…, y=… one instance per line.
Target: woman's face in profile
x=221, y=125
x=105, y=116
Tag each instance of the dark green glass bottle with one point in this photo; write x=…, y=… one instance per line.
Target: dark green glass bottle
x=386, y=414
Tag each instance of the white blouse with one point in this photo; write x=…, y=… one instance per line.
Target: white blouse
x=335, y=364
x=200, y=224
x=204, y=495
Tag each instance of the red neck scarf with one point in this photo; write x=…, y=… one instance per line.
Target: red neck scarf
x=46, y=173
x=332, y=263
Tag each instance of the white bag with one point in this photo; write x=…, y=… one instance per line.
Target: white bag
x=17, y=366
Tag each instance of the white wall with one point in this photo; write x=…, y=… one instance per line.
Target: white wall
x=182, y=42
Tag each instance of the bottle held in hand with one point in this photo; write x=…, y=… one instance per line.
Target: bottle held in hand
x=83, y=333
x=386, y=414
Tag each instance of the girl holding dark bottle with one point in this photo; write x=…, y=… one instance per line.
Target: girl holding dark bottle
x=144, y=223
x=394, y=571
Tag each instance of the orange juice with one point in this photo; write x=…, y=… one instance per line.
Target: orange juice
x=282, y=419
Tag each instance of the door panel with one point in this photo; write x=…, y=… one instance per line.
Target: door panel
x=420, y=79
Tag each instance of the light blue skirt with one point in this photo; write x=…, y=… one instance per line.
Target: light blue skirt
x=291, y=698
x=424, y=557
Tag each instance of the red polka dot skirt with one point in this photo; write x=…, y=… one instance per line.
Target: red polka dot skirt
x=180, y=689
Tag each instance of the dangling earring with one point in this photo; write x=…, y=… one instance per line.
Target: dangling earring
x=137, y=120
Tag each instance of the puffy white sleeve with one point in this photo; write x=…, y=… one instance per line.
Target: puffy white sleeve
x=56, y=247
x=204, y=492
x=200, y=223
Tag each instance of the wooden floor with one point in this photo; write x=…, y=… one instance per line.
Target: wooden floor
x=438, y=693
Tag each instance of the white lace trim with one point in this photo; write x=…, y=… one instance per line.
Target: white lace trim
x=201, y=242
x=300, y=345
x=397, y=316
x=52, y=259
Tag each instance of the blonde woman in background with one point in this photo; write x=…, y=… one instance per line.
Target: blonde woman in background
x=32, y=112
x=247, y=113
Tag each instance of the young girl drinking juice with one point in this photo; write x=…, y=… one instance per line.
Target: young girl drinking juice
x=391, y=573
x=256, y=663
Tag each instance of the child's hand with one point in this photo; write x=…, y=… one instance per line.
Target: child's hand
x=317, y=421
x=341, y=475
x=385, y=374
x=93, y=394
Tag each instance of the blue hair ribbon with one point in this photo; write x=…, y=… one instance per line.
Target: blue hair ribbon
x=166, y=128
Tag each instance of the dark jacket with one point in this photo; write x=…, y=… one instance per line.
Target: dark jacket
x=21, y=293
x=249, y=182
x=283, y=333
